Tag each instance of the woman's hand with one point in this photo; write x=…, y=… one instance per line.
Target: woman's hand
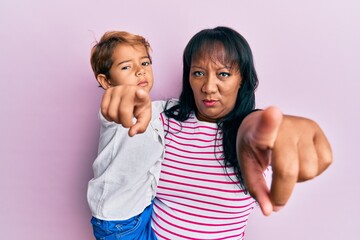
x=121, y=104
x=296, y=148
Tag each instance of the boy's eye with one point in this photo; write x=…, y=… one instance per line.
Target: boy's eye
x=125, y=68
x=145, y=63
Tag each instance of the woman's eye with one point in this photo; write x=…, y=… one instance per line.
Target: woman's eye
x=145, y=63
x=224, y=74
x=198, y=74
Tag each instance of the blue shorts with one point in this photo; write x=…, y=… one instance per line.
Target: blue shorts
x=138, y=227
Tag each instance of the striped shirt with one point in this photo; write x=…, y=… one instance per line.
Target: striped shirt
x=197, y=198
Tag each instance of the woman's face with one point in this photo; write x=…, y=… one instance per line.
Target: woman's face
x=215, y=87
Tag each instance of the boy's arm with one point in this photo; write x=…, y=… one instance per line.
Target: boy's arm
x=296, y=148
x=121, y=103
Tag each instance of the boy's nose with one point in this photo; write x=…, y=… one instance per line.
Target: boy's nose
x=140, y=71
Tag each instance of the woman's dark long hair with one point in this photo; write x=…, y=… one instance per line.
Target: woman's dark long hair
x=227, y=46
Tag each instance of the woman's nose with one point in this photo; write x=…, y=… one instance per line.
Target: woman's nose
x=209, y=86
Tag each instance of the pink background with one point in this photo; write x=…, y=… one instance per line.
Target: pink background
x=307, y=56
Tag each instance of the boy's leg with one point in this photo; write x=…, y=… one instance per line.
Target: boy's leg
x=147, y=232
x=138, y=227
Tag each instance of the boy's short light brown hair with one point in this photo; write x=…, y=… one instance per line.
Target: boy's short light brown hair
x=101, y=54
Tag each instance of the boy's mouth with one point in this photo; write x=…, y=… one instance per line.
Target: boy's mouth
x=143, y=83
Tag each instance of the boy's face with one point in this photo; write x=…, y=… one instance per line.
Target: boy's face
x=131, y=66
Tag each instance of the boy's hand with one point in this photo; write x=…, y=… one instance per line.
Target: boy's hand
x=121, y=103
x=296, y=148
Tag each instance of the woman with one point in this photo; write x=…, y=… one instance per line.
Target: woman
x=201, y=189
x=209, y=159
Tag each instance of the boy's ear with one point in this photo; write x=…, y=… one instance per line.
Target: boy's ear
x=103, y=81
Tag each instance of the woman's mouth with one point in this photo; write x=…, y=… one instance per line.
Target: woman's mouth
x=209, y=103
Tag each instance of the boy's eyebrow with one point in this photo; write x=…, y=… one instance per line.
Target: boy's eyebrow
x=145, y=57
x=132, y=60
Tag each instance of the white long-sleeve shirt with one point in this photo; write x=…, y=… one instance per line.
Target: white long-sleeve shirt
x=127, y=169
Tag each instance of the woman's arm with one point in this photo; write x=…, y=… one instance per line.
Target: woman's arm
x=296, y=148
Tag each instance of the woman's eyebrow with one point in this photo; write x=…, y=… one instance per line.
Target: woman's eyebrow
x=195, y=66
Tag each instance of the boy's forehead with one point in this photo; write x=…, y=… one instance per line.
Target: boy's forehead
x=135, y=46
x=124, y=47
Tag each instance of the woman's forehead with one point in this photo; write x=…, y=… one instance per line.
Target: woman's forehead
x=216, y=49
x=216, y=54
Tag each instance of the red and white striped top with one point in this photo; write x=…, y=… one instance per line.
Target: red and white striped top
x=195, y=198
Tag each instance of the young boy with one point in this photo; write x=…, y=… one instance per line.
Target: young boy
x=127, y=169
